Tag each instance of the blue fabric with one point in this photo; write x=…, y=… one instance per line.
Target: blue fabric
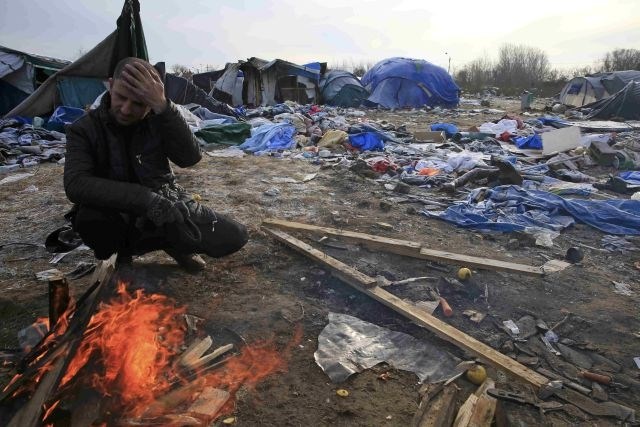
x=449, y=128
x=405, y=82
x=533, y=142
x=63, y=116
x=631, y=177
x=366, y=141
x=206, y=114
x=270, y=137
x=552, y=120
x=512, y=208
x=79, y=92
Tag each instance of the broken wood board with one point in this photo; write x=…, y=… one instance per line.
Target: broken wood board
x=362, y=282
x=209, y=402
x=478, y=409
x=438, y=411
x=416, y=250
x=559, y=140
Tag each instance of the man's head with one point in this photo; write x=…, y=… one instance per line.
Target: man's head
x=126, y=108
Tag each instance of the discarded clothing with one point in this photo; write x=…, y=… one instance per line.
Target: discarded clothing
x=231, y=134
x=630, y=177
x=270, y=137
x=532, y=142
x=617, y=244
x=512, y=208
x=449, y=128
x=504, y=125
x=366, y=141
x=348, y=345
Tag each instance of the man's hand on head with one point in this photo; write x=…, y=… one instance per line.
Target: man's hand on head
x=144, y=82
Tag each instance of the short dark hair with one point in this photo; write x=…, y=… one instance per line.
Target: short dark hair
x=117, y=72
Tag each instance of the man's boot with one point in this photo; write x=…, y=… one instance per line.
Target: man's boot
x=193, y=263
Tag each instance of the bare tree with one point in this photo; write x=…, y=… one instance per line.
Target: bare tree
x=476, y=75
x=520, y=67
x=621, y=59
x=182, y=71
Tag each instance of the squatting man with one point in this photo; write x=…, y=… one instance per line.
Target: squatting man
x=117, y=173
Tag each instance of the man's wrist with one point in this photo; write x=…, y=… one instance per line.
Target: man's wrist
x=161, y=107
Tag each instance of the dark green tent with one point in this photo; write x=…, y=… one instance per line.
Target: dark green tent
x=83, y=79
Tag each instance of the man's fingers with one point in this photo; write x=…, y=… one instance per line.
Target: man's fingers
x=136, y=91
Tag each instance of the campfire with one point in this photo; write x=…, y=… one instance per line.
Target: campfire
x=133, y=359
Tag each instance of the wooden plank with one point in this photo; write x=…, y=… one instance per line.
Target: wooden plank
x=30, y=414
x=445, y=331
x=416, y=250
x=440, y=412
x=478, y=409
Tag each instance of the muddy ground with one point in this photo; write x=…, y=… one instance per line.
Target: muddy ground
x=266, y=290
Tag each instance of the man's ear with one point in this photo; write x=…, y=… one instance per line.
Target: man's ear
x=110, y=84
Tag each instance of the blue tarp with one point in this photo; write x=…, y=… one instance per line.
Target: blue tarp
x=630, y=177
x=63, y=116
x=512, y=208
x=270, y=137
x=533, y=142
x=79, y=92
x=366, y=141
x=405, y=82
x=449, y=128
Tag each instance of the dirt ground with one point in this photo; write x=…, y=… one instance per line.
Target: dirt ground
x=261, y=291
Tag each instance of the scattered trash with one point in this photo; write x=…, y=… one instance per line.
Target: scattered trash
x=474, y=316
x=348, y=345
x=272, y=192
x=15, y=178
x=574, y=255
x=342, y=392
x=511, y=327
x=477, y=374
x=622, y=288
x=464, y=273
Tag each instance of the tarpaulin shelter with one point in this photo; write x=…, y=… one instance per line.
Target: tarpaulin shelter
x=341, y=88
x=269, y=83
x=21, y=74
x=625, y=104
x=224, y=85
x=79, y=83
x=406, y=82
x=584, y=90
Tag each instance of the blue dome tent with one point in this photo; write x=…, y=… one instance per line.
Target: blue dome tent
x=406, y=82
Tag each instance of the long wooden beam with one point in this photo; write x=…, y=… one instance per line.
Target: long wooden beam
x=362, y=282
x=417, y=250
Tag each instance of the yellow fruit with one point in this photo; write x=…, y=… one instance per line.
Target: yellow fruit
x=342, y=392
x=464, y=273
x=477, y=374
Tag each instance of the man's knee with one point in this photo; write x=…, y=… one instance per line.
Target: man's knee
x=103, y=231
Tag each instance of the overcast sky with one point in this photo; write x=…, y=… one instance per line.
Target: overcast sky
x=197, y=33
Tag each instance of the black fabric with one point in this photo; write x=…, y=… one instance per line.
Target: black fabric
x=130, y=41
x=99, y=159
x=108, y=231
x=623, y=105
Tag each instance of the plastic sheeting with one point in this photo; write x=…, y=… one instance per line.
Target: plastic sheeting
x=631, y=177
x=366, y=141
x=270, y=137
x=341, y=88
x=512, y=208
x=405, y=82
x=348, y=345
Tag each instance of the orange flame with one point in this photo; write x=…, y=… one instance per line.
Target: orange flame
x=134, y=338
x=128, y=348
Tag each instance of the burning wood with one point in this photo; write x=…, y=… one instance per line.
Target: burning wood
x=125, y=350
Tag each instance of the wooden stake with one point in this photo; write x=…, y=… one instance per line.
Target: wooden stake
x=445, y=331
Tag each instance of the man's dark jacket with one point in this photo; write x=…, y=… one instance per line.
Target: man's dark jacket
x=106, y=168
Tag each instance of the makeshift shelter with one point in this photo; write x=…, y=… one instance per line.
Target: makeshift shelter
x=21, y=74
x=269, y=83
x=584, y=90
x=79, y=83
x=224, y=85
x=625, y=104
x=406, y=82
x=341, y=88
